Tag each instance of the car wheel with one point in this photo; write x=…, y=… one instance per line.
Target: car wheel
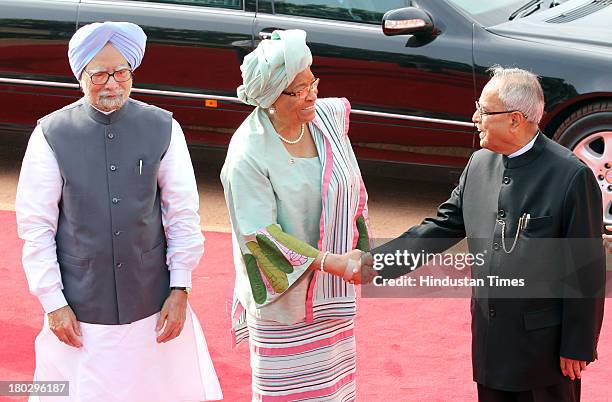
x=588, y=133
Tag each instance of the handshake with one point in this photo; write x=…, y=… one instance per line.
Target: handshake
x=356, y=266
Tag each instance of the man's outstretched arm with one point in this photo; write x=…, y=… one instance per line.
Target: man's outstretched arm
x=433, y=235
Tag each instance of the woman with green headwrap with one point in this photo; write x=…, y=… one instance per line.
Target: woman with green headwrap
x=298, y=207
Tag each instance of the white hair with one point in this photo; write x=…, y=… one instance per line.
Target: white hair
x=520, y=90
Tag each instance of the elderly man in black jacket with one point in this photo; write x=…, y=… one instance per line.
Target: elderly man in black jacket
x=535, y=212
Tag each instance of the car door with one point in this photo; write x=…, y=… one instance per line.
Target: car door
x=35, y=76
x=403, y=79
x=192, y=61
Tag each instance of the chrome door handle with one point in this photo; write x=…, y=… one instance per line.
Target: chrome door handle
x=267, y=33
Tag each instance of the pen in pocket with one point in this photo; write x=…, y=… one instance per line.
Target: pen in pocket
x=140, y=167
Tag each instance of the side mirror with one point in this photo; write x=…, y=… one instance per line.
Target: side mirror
x=408, y=21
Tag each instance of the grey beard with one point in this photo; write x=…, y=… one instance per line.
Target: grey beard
x=108, y=104
x=103, y=103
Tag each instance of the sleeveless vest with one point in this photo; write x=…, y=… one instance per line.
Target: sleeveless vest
x=111, y=245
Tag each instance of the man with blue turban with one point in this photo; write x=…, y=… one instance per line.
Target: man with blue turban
x=107, y=205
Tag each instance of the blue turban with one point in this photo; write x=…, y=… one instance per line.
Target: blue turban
x=272, y=66
x=129, y=39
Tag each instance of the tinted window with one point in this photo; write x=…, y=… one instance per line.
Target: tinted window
x=490, y=13
x=365, y=11
x=234, y=4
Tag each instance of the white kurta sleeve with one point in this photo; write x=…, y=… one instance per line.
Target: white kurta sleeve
x=180, y=203
x=37, y=207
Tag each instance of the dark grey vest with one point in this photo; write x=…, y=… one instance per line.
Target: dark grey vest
x=111, y=245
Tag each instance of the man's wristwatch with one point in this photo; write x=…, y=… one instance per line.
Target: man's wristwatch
x=184, y=289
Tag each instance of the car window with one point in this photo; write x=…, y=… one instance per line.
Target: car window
x=489, y=13
x=364, y=11
x=233, y=4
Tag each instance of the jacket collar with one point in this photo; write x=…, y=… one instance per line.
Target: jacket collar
x=103, y=118
x=529, y=156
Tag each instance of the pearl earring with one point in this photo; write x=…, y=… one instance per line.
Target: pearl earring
x=272, y=110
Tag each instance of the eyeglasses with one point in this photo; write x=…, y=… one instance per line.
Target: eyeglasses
x=483, y=113
x=303, y=93
x=102, y=77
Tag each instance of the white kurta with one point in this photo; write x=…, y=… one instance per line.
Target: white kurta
x=124, y=363
x=116, y=362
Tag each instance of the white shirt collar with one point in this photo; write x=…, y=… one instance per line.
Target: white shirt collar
x=101, y=111
x=526, y=148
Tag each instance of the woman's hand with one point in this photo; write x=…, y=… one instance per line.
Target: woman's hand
x=349, y=267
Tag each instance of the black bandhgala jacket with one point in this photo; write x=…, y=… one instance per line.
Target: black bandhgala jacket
x=519, y=333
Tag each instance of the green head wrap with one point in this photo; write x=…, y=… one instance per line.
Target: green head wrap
x=272, y=66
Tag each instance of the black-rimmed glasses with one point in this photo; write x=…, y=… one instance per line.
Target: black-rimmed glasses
x=481, y=112
x=102, y=77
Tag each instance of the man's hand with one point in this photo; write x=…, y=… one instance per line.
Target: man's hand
x=607, y=239
x=65, y=326
x=368, y=273
x=173, y=315
x=572, y=368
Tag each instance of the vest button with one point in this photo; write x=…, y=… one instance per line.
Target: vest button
x=115, y=200
x=507, y=180
x=495, y=246
x=113, y=168
x=501, y=213
x=111, y=136
x=117, y=232
x=119, y=265
x=492, y=312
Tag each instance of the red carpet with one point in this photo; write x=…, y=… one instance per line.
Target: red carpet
x=408, y=349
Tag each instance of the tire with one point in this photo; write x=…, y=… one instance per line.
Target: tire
x=588, y=133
